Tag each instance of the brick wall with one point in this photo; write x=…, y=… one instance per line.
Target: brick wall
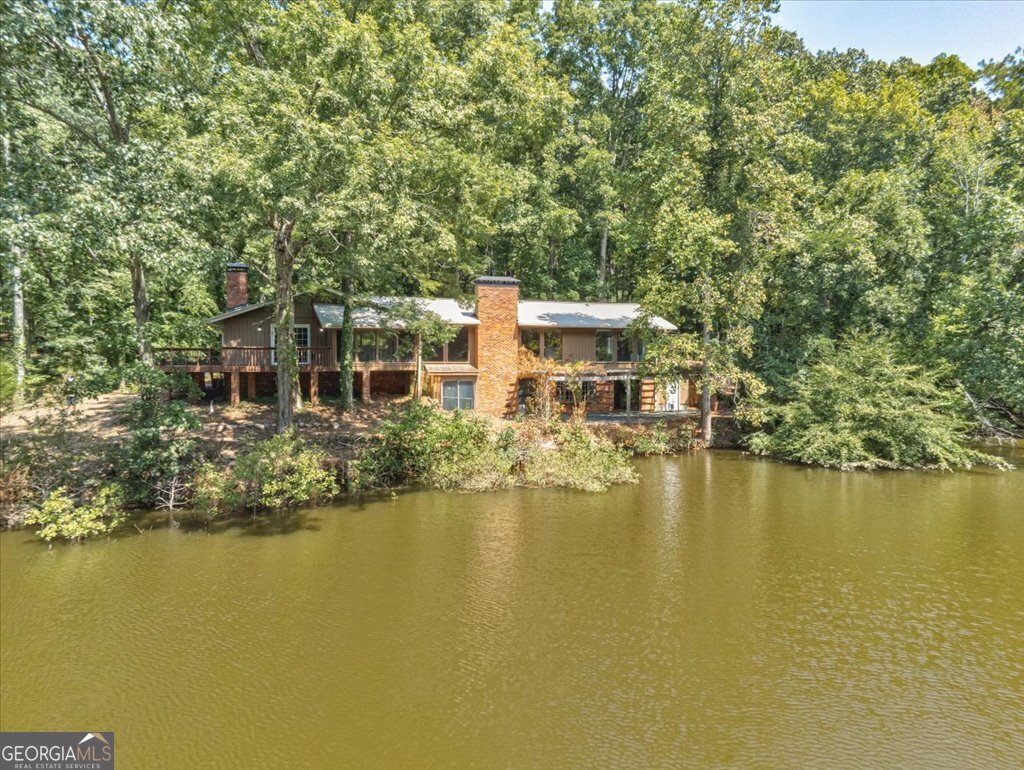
x=237, y=289
x=497, y=308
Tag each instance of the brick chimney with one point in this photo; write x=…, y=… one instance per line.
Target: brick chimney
x=497, y=309
x=237, y=285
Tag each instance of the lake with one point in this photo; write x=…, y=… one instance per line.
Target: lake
x=726, y=611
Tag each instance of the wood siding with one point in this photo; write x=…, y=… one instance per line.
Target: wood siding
x=578, y=345
x=253, y=330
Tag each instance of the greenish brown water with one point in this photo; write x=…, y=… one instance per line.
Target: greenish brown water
x=726, y=611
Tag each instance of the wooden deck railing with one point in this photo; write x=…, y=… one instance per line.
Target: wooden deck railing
x=186, y=356
x=239, y=357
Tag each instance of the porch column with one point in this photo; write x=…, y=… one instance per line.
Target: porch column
x=233, y=383
x=629, y=396
x=250, y=386
x=314, y=390
x=366, y=386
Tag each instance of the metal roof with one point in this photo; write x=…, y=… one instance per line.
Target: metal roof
x=450, y=368
x=241, y=310
x=584, y=315
x=374, y=316
x=532, y=313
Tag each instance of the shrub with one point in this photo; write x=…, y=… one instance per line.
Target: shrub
x=422, y=444
x=658, y=439
x=158, y=450
x=215, y=491
x=858, y=406
x=282, y=473
x=61, y=516
x=580, y=460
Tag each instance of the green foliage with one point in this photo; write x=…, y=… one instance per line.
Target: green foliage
x=423, y=445
x=580, y=460
x=278, y=474
x=690, y=155
x=63, y=516
x=658, y=439
x=160, y=447
x=215, y=492
x=857, y=405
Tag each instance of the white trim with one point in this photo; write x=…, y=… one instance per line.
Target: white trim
x=303, y=351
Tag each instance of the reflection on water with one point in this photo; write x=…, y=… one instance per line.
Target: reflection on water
x=725, y=611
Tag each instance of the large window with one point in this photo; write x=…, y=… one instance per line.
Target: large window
x=401, y=346
x=530, y=339
x=605, y=345
x=553, y=344
x=301, y=334
x=457, y=394
x=458, y=348
x=366, y=345
x=387, y=346
x=623, y=347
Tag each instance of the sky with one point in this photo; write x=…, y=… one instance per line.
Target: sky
x=974, y=30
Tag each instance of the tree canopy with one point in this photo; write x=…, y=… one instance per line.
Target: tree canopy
x=690, y=155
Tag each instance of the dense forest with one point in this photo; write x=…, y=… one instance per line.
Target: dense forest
x=693, y=156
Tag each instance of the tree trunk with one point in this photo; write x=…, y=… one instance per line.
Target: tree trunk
x=602, y=274
x=140, y=303
x=345, y=351
x=552, y=256
x=705, y=393
x=417, y=390
x=284, y=320
x=19, y=346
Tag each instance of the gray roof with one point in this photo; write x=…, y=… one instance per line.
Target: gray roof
x=332, y=316
x=532, y=313
x=240, y=310
x=584, y=315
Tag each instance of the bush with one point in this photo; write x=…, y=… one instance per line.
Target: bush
x=281, y=473
x=275, y=474
x=858, y=406
x=215, y=491
x=580, y=460
x=61, y=516
x=422, y=444
x=159, y=450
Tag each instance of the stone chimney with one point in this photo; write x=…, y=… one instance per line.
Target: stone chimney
x=237, y=285
x=497, y=345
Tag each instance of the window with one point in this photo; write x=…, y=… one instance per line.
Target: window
x=387, y=346
x=623, y=347
x=458, y=348
x=553, y=345
x=456, y=394
x=366, y=345
x=530, y=339
x=605, y=345
x=581, y=392
x=301, y=334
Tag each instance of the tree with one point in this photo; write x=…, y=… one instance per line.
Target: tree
x=104, y=74
x=857, y=405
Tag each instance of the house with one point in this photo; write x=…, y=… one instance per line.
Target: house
x=479, y=368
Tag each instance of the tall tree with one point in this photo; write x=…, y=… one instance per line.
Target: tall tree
x=104, y=71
